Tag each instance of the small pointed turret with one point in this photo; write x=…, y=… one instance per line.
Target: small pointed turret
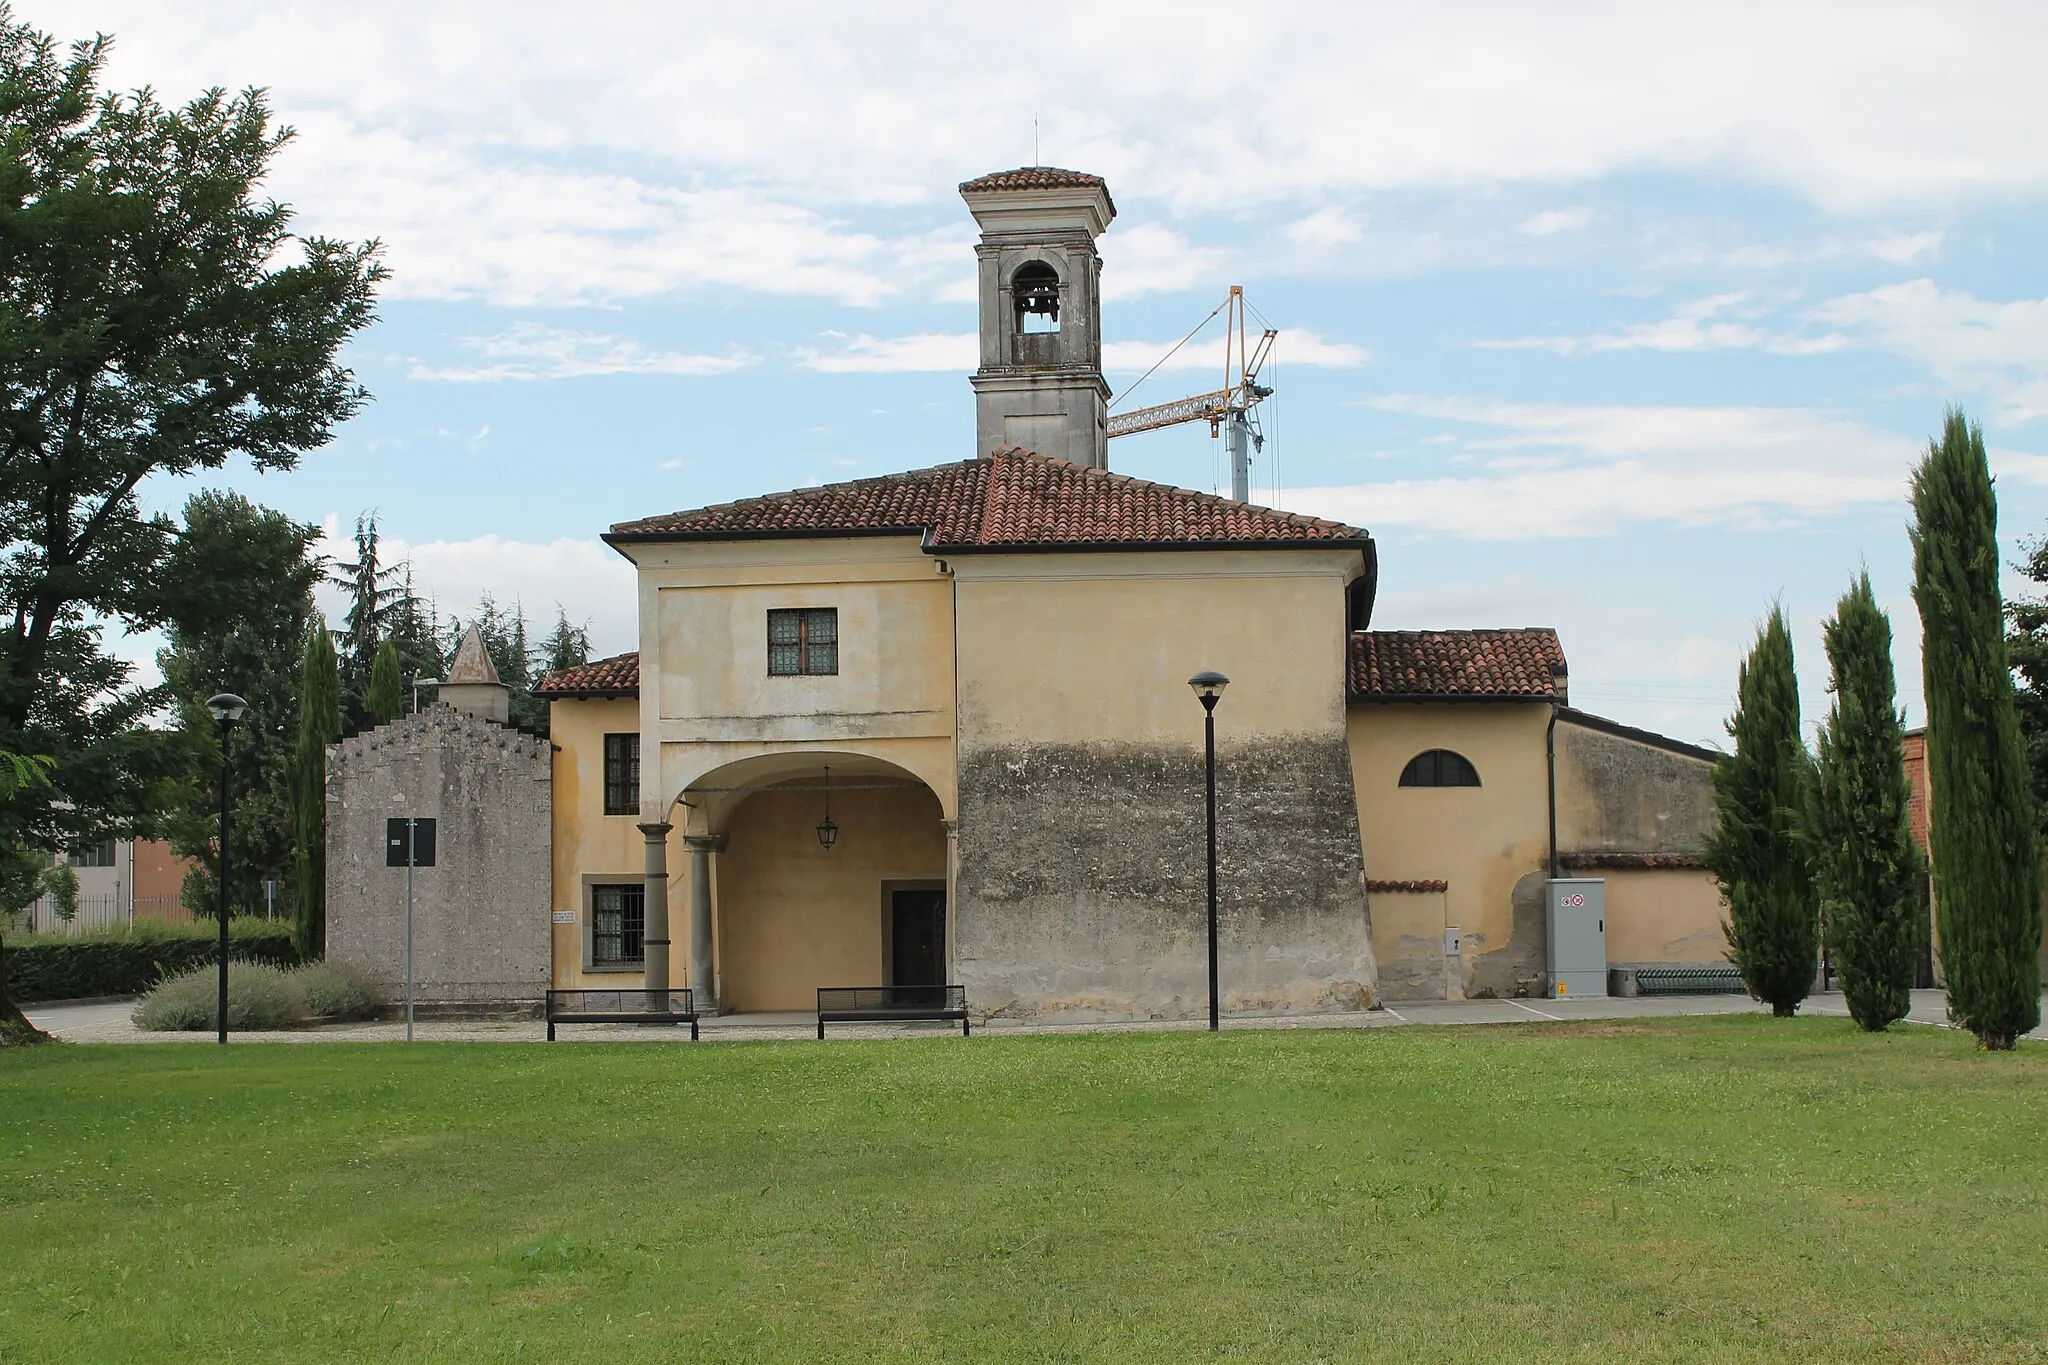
x=473, y=684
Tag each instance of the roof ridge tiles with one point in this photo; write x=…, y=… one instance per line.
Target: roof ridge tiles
x=1020, y=498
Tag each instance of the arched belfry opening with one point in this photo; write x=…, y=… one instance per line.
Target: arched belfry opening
x=1040, y=384
x=1035, y=297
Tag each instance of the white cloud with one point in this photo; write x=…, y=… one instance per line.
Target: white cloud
x=1553, y=221
x=1546, y=470
x=1147, y=258
x=956, y=351
x=927, y=351
x=1697, y=326
x=531, y=351
x=1981, y=347
x=1325, y=228
x=586, y=578
x=1294, y=346
x=647, y=148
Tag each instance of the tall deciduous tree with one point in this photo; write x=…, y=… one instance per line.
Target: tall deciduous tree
x=241, y=578
x=1983, y=834
x=157, y=317
x=386, y=696
x=319, y=726
x=1757, y=851
x=1865, y=863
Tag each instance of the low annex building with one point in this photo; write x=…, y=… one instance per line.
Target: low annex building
x=935, y=726
x=480, y=935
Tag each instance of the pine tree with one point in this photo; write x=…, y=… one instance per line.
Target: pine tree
x=566, y=646
x=386, y=695
x=1984, y=832
x=319, y=726
x=1757, y=851
x=1865, y=863
x=372, y=598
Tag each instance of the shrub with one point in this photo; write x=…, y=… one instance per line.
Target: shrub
x=334, y=991
x=120, y=960
x=259, y=997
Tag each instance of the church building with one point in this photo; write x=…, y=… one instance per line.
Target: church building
x=937, y=727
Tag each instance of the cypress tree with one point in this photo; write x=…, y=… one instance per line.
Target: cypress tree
x=1983, y=833
x=319, y=726
x=1864, y=860
x=1757, y=851
x=386, y=696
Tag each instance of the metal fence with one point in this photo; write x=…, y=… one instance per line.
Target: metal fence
x=101, y=912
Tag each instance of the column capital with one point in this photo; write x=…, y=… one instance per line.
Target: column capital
x=704, y=843
x=952, y=828
x=657, y=829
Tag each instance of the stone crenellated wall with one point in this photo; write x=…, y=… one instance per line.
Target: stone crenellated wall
x=480, y=917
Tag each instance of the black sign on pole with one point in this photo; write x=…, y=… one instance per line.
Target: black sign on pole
x=403, y=837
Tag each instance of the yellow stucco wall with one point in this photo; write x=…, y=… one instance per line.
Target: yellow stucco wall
x=795, y=916
x=1665, y=915
x=1481, y=840
x=1082, y=648
x=587, y=841
x=1082, y=873
x=705, y=687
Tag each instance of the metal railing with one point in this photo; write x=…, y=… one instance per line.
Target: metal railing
x=100, y=912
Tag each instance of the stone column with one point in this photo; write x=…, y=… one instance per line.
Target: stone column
x=654, y=906
x=703, y=971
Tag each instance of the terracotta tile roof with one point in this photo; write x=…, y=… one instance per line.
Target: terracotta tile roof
x=1034, y=178
x=1415, y=664
x=1011, y=499
x=618, y=676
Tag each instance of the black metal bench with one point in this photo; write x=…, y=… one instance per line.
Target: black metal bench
x=1715, y=980
x=891, y=1004
x=622, y=1005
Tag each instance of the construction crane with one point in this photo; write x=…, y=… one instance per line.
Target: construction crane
x=1227, y=410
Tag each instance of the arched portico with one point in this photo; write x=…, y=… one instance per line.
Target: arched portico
x=789, y=914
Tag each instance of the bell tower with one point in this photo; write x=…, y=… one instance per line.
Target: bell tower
x=1040, y=384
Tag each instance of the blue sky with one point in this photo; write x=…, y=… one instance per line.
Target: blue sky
x=1597, y=317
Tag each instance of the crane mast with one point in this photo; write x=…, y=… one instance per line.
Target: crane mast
x=1227, y=410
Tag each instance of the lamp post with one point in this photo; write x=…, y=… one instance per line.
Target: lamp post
x=226, y=708
x=1209, y=685
x=417, y=684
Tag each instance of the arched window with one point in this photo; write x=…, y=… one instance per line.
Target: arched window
x=1035, y=289
x=1439, y=768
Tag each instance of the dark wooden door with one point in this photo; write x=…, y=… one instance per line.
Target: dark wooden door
x=917, y=938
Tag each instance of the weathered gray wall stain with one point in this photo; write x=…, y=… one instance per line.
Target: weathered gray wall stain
x=1082, y=885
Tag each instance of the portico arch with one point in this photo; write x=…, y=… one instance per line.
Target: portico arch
x=789, y=914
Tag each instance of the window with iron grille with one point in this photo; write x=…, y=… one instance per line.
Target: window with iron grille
x=803, y=640
x=100, y=854
x=618, y=924
x=1439, y=768
x=622, y=774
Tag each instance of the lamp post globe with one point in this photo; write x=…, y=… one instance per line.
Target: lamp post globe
x=1208, y=686
x=226, y=708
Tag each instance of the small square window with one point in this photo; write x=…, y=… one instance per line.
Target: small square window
x=618, y=924
x=622, y=774
x=803, y=641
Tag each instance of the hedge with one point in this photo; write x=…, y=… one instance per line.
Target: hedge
x=49, y=968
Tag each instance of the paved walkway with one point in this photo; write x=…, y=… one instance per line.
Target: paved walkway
x=109, y=1023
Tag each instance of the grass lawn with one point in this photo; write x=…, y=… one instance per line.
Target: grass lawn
x=1699, y=1189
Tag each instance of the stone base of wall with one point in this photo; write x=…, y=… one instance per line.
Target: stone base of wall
x=1082, y=886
